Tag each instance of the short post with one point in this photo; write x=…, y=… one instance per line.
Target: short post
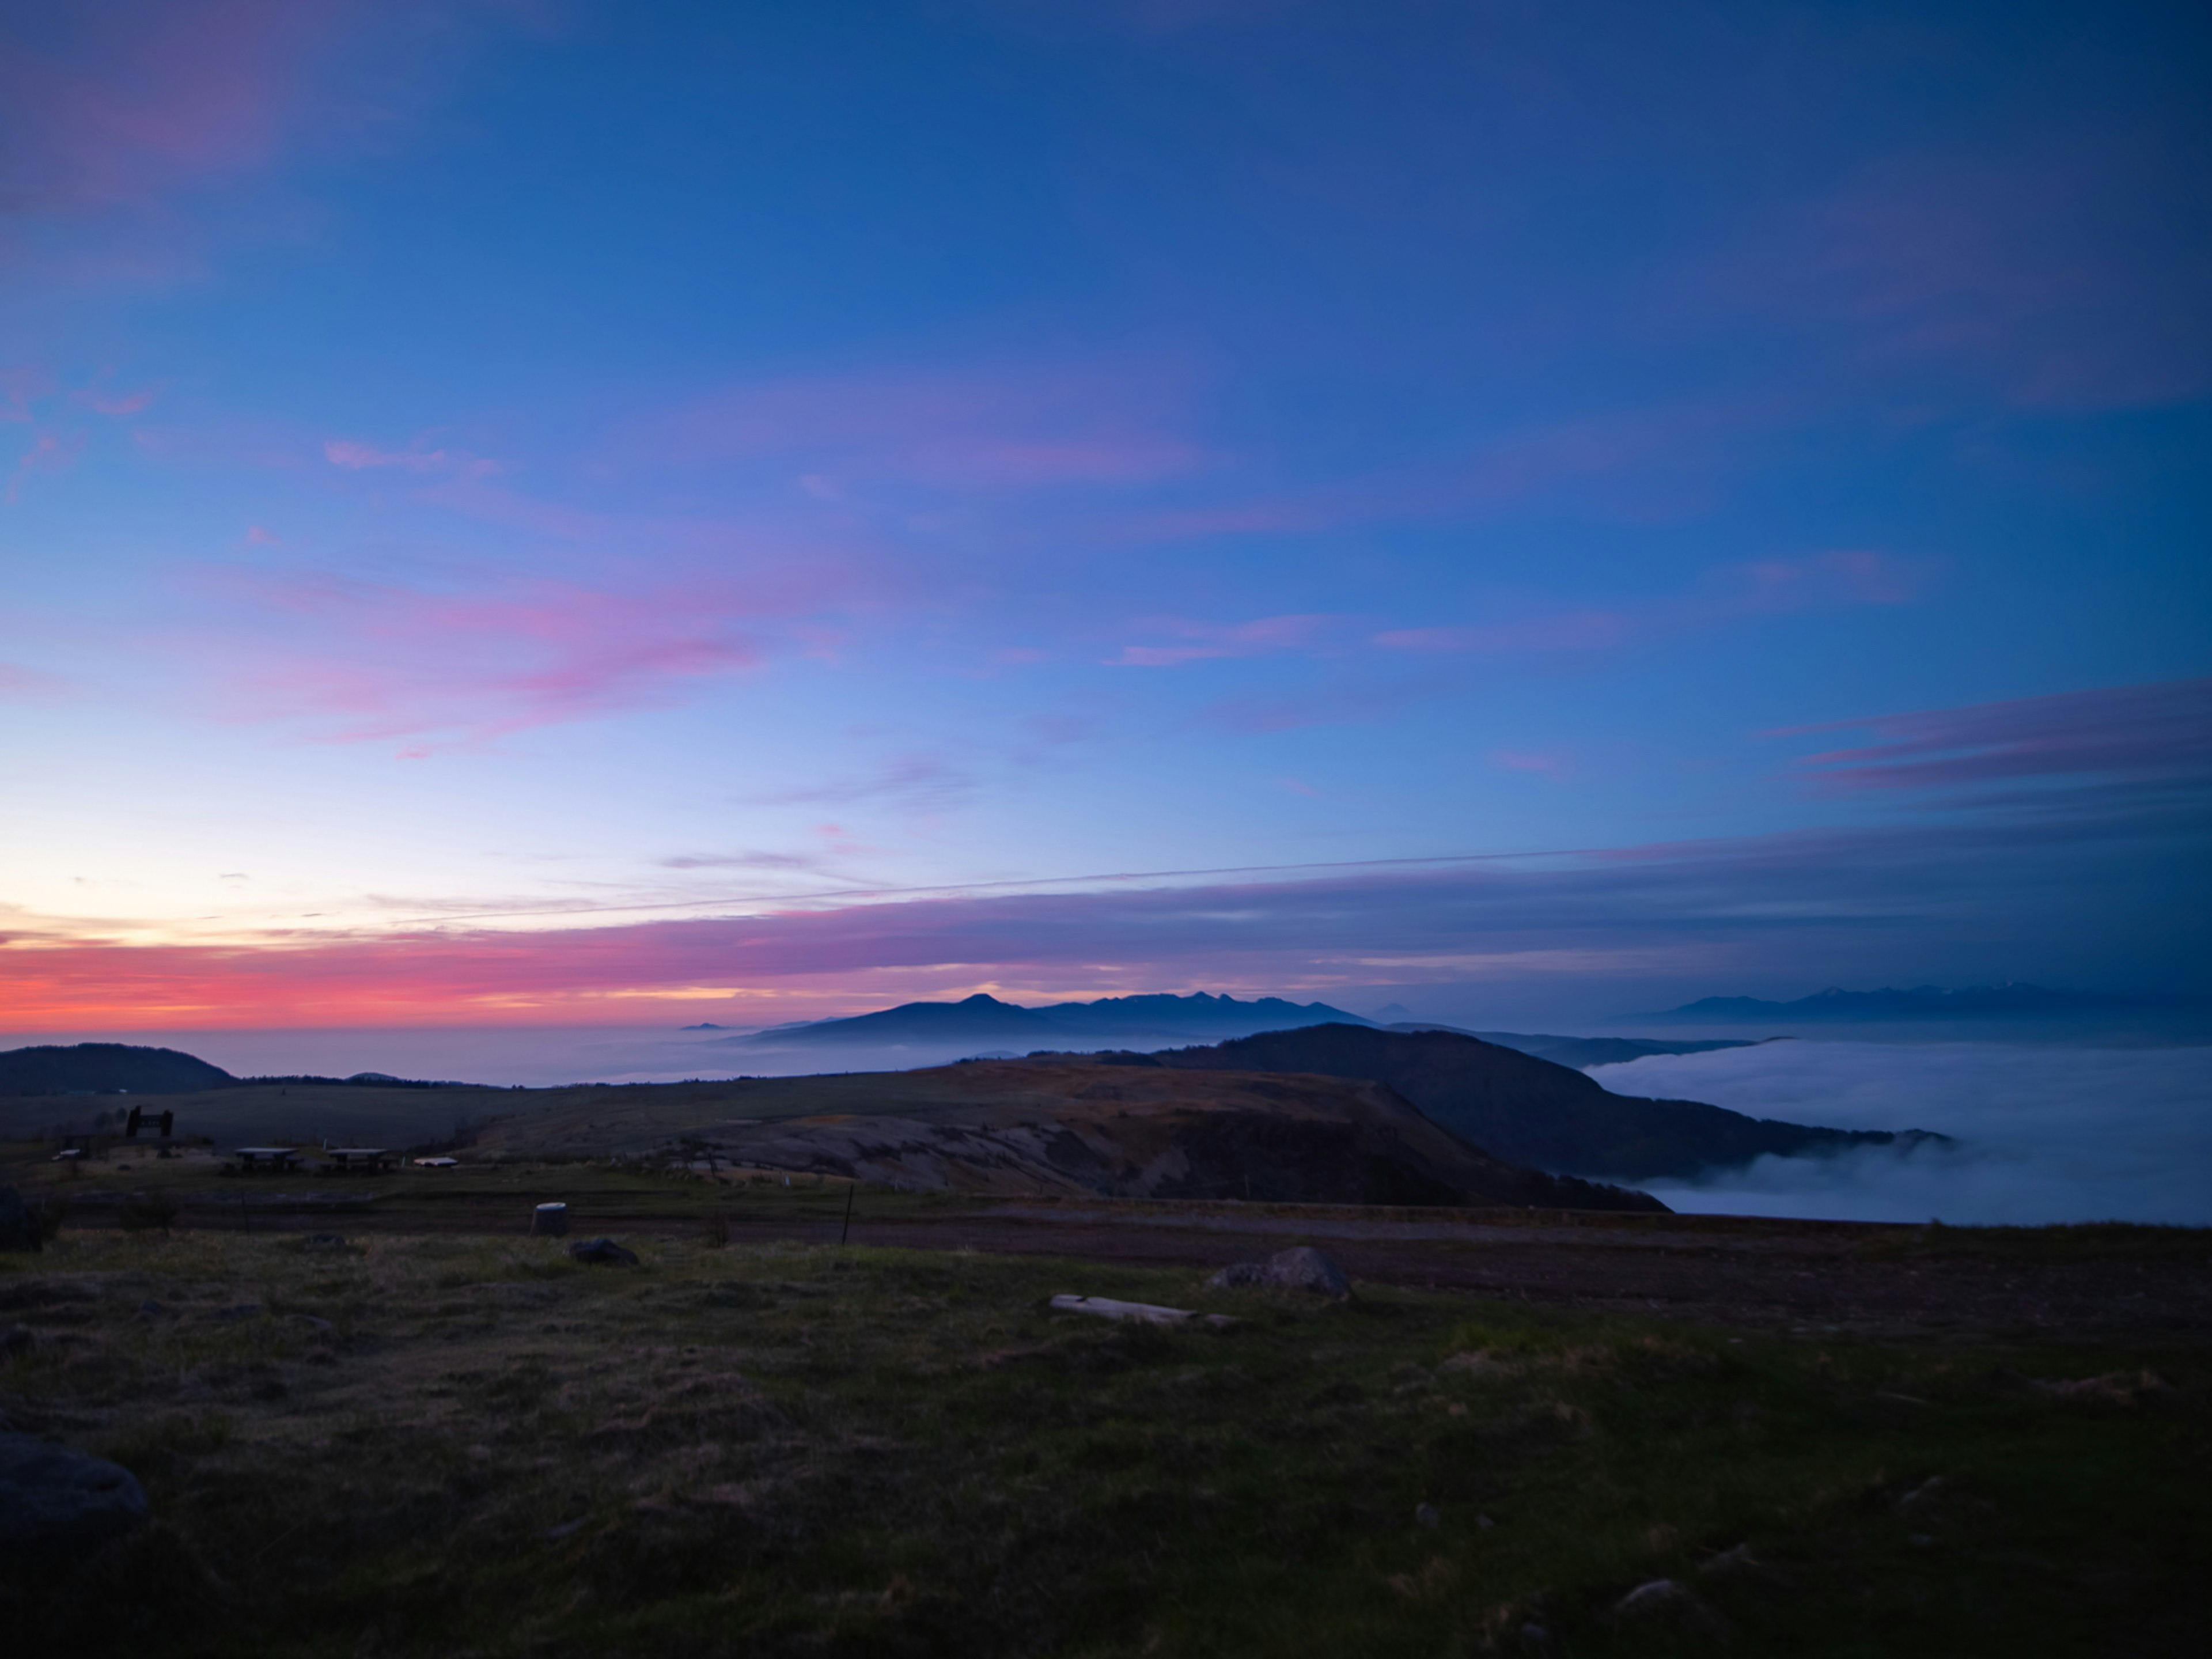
x=550, y=1220
x=846, y=1232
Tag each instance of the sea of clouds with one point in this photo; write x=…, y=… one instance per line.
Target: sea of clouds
x=2043, y=1134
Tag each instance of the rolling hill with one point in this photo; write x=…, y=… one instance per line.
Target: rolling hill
x=1582, y=1051
x=1060, y=1124
x=1533, y=1111
x=105, y=1068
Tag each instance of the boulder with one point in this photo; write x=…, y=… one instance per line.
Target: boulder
x=604, y=1252
x=1664, y=1603
x=1302, y=1267
x=57, y=1505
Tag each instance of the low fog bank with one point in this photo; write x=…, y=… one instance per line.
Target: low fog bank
x=2044, y=1134
x=538, y=1056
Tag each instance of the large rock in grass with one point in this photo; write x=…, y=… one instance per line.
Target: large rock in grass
x=57, y=1505
x=1302, y=1267
x=604, y=1252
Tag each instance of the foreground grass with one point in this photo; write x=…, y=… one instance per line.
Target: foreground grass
x=458, y=1445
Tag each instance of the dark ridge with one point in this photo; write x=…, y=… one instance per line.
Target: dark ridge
x=1585, y=1051
x=106, y=1068
x=1531, y=1111
x=358, y=1080
x=1926, y=1002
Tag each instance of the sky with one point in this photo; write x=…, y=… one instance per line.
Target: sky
x=541, y=511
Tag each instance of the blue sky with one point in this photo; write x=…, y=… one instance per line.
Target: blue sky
x=559, y=510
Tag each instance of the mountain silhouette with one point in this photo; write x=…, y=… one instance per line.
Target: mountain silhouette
x=1920, y=1002
x=1530, y=1111
x=985, y=1019
x=106, y=1068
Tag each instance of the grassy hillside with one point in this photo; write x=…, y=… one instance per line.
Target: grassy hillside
x=1531, y=1111
x=416, y=1445
x=1027, y=1128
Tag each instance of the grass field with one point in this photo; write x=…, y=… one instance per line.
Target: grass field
x=451, y=1444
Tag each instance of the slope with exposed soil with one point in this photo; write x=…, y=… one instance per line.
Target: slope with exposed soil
x=1066, y=1126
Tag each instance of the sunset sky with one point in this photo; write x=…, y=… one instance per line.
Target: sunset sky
x=540, y=510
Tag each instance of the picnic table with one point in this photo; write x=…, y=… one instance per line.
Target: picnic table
x=279, y=1159
x=372, y=1159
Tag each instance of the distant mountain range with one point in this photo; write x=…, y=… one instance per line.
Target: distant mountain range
x=1583, y=1051
x=982, y=1020
x=1531, y=1111
x=1920, y=1002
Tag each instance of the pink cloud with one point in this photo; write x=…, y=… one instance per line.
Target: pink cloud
x=111, y=111
x=24, y=682
x=1653, y=464
x=1571, y=630
x=19, y=384
x=357, y=661
x=122, y=403
x=991, y=430
x=137, y=97
x=1550, y=766
x=50, y=451
x=1263, y=637
x=925, y=783
x=2124, y=731
x=1731, y=594
x=2063, y=276
x=359, y=456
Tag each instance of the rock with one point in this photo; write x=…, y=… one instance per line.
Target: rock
x=1663, y=1601
x=18, y=1339
x=57, y=1505
x=19, y=1227
x=1300, y=1268
x=1143, y=1313
x=325, y=1242
x=1424, y=1514
x=1923, y=1497
x=319, y=1326
x=1737, y=1560
x=604, y=1252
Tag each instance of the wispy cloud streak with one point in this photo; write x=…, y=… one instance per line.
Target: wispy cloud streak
x=2124, y=732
